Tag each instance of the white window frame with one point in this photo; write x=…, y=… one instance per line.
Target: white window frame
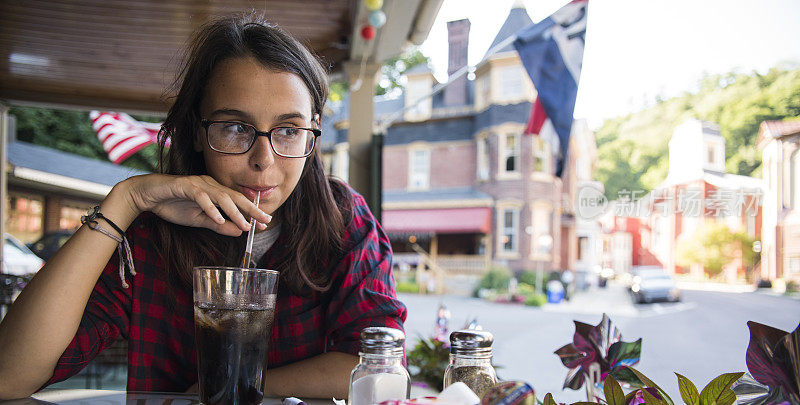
x=542, y=225
x=512, y=231
x=542, y=152
x=794, y=179
x=482, y=145
x=512, y=85
x=419, y=179
x=503, y=154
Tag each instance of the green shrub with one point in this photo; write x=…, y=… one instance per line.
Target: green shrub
x=407, y=287
x=535, y=300
x=427, y=361
x=527, y=277
x=792, y=287
x=495, y=279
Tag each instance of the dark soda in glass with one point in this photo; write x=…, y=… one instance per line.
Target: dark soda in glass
x=234, y=344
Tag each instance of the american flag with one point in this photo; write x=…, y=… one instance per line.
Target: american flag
x=552, y=53
x=121, y=135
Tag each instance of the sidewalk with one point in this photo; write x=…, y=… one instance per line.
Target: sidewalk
x=612, y=300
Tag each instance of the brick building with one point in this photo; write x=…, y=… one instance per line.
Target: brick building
x=780, y=145
x=462, y=185
x=648, y=228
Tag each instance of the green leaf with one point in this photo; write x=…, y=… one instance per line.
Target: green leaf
x=614, y=394
x=649, y=399
x=548, y=399
x=584, y=403
x=688, y=391
x=718, y=391
x=629, y=397
x=625, y=375
x=649, y=383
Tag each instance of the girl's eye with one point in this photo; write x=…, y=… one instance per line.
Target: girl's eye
x=237, y=128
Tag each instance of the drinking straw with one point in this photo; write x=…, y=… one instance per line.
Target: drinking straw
x=248, y=251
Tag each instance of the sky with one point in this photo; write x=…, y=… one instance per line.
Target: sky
x=639, y=49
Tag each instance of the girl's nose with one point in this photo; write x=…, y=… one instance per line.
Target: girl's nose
x=261, y=154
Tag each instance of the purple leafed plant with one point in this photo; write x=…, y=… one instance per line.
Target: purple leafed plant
x=601, y=344
x=773, y=359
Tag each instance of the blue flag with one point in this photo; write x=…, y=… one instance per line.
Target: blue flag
x=552, y=53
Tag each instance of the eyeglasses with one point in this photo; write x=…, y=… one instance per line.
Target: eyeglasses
x=235, y=138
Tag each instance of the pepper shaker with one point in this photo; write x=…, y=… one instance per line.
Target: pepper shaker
x=471, y=360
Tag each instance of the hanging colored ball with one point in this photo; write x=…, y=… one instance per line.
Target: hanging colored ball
x=373, y=4
x=368, y=32
x=377, y=18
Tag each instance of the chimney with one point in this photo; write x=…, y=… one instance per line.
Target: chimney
x=458, y=41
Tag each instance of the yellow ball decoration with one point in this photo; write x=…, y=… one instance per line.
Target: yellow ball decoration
x=373, y=4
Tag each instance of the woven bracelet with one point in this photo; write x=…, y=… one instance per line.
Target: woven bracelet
x=123, y=247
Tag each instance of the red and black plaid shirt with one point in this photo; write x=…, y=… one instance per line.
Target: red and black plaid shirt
x=158, y=320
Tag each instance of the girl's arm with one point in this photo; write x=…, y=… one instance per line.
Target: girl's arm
x=46, y=315
x=324, y=376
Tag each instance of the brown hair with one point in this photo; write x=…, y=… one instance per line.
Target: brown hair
x=315, y=214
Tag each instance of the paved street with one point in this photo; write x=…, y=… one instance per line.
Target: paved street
x=701, y=337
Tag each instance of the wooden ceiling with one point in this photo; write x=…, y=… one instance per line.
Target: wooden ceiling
x=124, y=54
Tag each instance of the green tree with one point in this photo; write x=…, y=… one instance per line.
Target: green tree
x=71, y=131
x=633, y=149
x=392, y=74
x=713, y=246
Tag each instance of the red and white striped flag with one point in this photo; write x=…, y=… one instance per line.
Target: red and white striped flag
x=121, y=135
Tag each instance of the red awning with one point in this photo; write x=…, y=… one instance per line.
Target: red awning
x=442, y=220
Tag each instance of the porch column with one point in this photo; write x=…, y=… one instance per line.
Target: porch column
x=359, y=134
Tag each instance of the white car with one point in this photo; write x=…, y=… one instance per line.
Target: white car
x=18, y=259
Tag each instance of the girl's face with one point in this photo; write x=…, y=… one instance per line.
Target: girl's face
x=243, y=90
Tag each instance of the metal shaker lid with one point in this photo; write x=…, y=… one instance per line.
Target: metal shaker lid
x=470, y=341
x=382, y=340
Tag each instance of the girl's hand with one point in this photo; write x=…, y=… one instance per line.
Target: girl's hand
x=194, y=201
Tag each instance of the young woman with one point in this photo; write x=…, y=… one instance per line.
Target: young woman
x=245, y=122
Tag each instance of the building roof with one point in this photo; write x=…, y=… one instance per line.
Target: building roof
x=45, y=165
x=421, y=68
x=780, y=128
x=517, y=19
x=769, y=130
x=721, y=180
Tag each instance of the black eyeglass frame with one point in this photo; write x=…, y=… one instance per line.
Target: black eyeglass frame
x=268, y=134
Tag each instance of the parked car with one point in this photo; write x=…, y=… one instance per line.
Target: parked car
x=49, y=243
x=649, y=286
x=18, y=259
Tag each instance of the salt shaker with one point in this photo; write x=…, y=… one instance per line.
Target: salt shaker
x=471, y=360
x=379, y=375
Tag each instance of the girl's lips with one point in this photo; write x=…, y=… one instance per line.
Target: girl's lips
x=250, y=193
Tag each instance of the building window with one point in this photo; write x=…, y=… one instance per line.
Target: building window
x=483, y=157
x=71, y=216
x=415, y=90
x=509, y=223
x=511, y=82
x=710, y=154
x=25, y=214
x=509, y=160
x=482, y=91
x=542, y=240
x=794, y=179
x=794, y=265
x=583, y=248
x=542, y=162
x=420, y=166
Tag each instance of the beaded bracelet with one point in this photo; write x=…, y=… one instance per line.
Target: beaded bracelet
x=123, y=247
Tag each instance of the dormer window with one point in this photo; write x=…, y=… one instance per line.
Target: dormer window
x=711, y=154
x=511, y=85
x=415, y=90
